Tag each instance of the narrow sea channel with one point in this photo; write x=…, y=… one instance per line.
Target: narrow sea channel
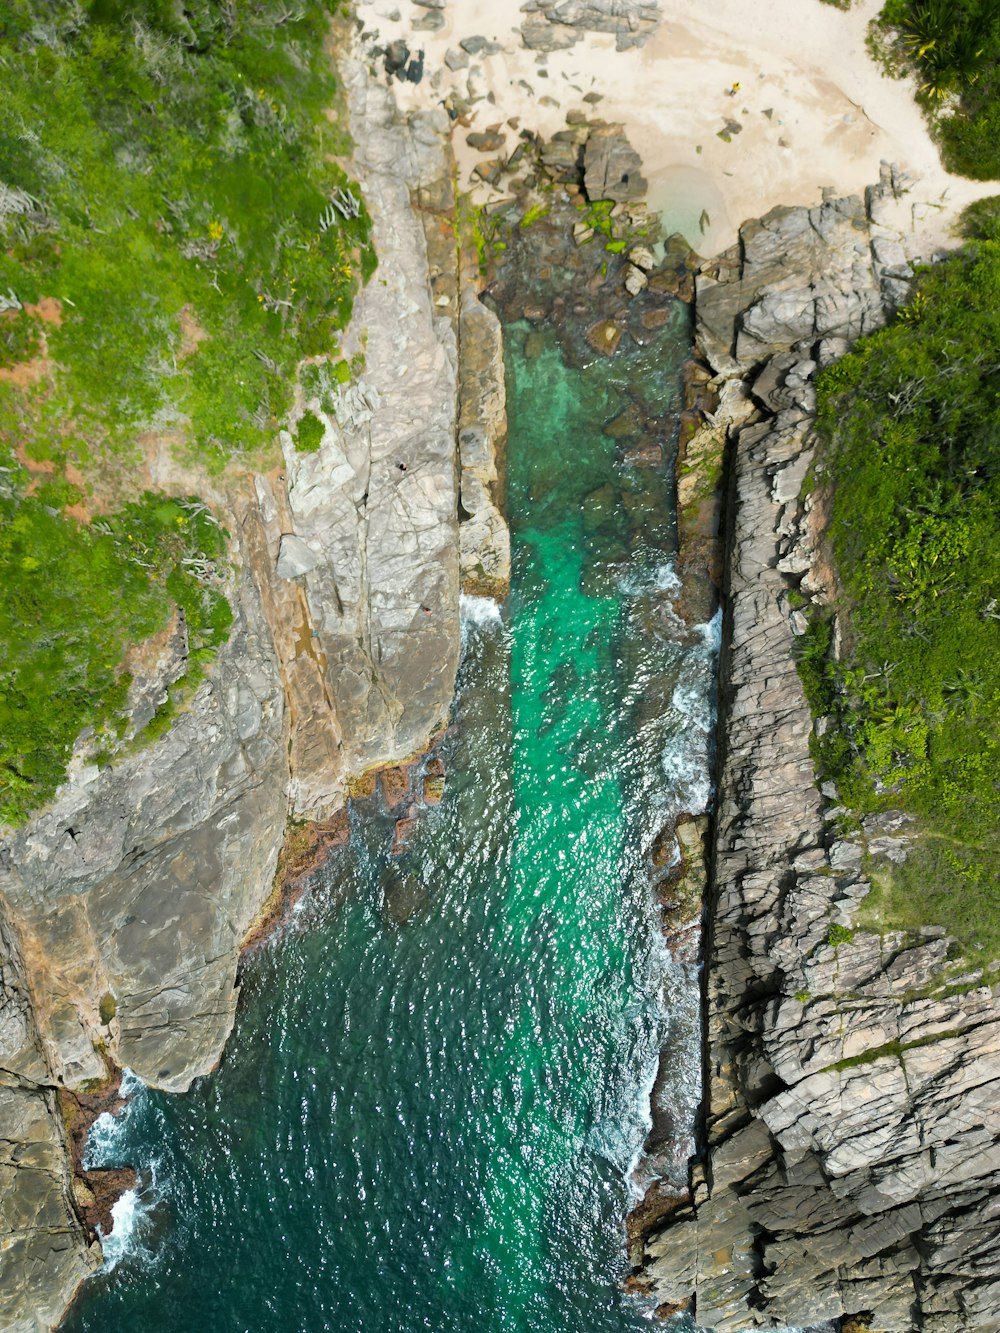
x=437, y=1089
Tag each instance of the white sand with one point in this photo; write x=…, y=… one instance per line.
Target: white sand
x=833, y=117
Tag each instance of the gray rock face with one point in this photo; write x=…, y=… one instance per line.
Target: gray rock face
x=553, y=25
x=482, y=432
x=44, y=1255
x=124, y=903
x=370, y=521
x=611, y=166
x=853, y=1105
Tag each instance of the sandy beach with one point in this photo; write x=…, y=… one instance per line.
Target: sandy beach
x=813, y=111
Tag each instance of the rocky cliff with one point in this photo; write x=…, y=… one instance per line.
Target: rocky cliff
x=852, y=1116
x=124, y=904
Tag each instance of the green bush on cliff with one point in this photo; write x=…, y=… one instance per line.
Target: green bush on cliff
x=953, y=48
x=911, y=420
x=165, y=174
x=175, y=237
x=71, y=595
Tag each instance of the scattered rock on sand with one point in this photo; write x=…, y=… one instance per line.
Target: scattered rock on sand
x=485, y=142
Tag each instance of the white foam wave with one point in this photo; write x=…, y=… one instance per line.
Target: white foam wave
x=109, y=1131
x=478, y=612
x=660, y=578
x=129, y=1220
x=711, y=632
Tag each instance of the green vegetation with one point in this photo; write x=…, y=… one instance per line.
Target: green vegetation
x=175, y=237
x=953, y=47
x=309, y=432
x=71, y=596
x=167, y=179
x=19, y=340
x=911, y=420
x=535, y=212
x=840, y=935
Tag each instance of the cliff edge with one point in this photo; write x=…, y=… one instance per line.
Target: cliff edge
x=125, y=902
x=851, y=1109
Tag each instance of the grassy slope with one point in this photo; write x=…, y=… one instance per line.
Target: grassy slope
x=163, y=174
x=911, y=420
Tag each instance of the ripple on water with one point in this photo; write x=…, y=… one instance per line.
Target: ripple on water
x=434, y=1125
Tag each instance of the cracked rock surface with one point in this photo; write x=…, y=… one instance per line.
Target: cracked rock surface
x=852, y=1155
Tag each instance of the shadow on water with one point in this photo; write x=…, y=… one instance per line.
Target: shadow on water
x=437, y=1087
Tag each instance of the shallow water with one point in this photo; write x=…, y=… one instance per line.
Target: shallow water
x=437, y=1088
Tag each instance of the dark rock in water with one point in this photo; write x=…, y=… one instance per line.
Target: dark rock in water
x=612, y=166
x=604, y=336
x=655, y=319
x=403, y=831
x=646, y=452
x=533, y=345
x=405, y=897
x=535, y=313
x=598, y=506
x=625, y=423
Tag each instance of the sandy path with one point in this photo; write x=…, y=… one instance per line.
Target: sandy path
x=832, y=116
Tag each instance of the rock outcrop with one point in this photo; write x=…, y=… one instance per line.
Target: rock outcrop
x=852, y=1100
x=124, y=904
x=553, y=25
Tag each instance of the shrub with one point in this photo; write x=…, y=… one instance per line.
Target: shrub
x=309, y=433
x=910, y=422
x=953, y=48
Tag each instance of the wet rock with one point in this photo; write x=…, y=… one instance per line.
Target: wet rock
x=635, y=280
x=604, y=336
x=646, y=452
x=626, y=423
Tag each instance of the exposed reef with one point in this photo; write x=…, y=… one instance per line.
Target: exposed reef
x=852, y=1107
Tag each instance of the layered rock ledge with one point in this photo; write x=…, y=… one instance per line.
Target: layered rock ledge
x=852, y=1098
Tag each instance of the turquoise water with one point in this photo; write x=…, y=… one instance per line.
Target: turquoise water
x=438, y=1083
